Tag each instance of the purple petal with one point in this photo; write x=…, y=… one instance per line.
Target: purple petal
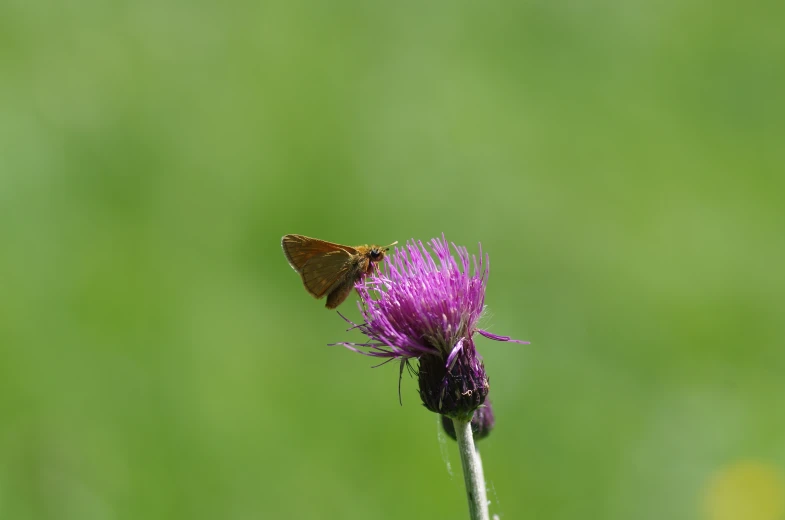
x=496, y=337
x=454, y=354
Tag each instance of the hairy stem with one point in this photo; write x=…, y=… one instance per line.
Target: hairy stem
x=472, y=471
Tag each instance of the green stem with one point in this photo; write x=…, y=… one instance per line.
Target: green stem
x=472, y=471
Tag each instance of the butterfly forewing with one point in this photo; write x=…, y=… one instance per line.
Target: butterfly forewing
x=322, y=265
x=300, y=249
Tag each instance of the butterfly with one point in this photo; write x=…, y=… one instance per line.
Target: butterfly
x=328, y=268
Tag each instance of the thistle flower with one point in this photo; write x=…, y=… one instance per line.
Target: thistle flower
x=416, y=308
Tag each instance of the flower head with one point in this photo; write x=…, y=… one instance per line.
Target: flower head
x=416, y=308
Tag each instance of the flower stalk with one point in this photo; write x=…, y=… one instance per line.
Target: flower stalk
x=472, y=471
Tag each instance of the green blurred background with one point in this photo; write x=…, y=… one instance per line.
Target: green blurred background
x=621, y=162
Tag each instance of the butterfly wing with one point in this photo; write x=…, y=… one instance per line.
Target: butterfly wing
x=322, y=265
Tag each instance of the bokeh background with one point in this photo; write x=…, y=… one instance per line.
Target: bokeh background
x=621, y=162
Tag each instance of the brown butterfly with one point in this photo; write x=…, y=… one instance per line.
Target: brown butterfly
x=328, y=268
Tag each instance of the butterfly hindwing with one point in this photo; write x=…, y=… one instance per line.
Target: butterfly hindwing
x=322, y=272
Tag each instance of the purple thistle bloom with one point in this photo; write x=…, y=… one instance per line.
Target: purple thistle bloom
x=415, y=308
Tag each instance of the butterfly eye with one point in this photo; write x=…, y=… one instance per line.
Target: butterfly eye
x=375, y=254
